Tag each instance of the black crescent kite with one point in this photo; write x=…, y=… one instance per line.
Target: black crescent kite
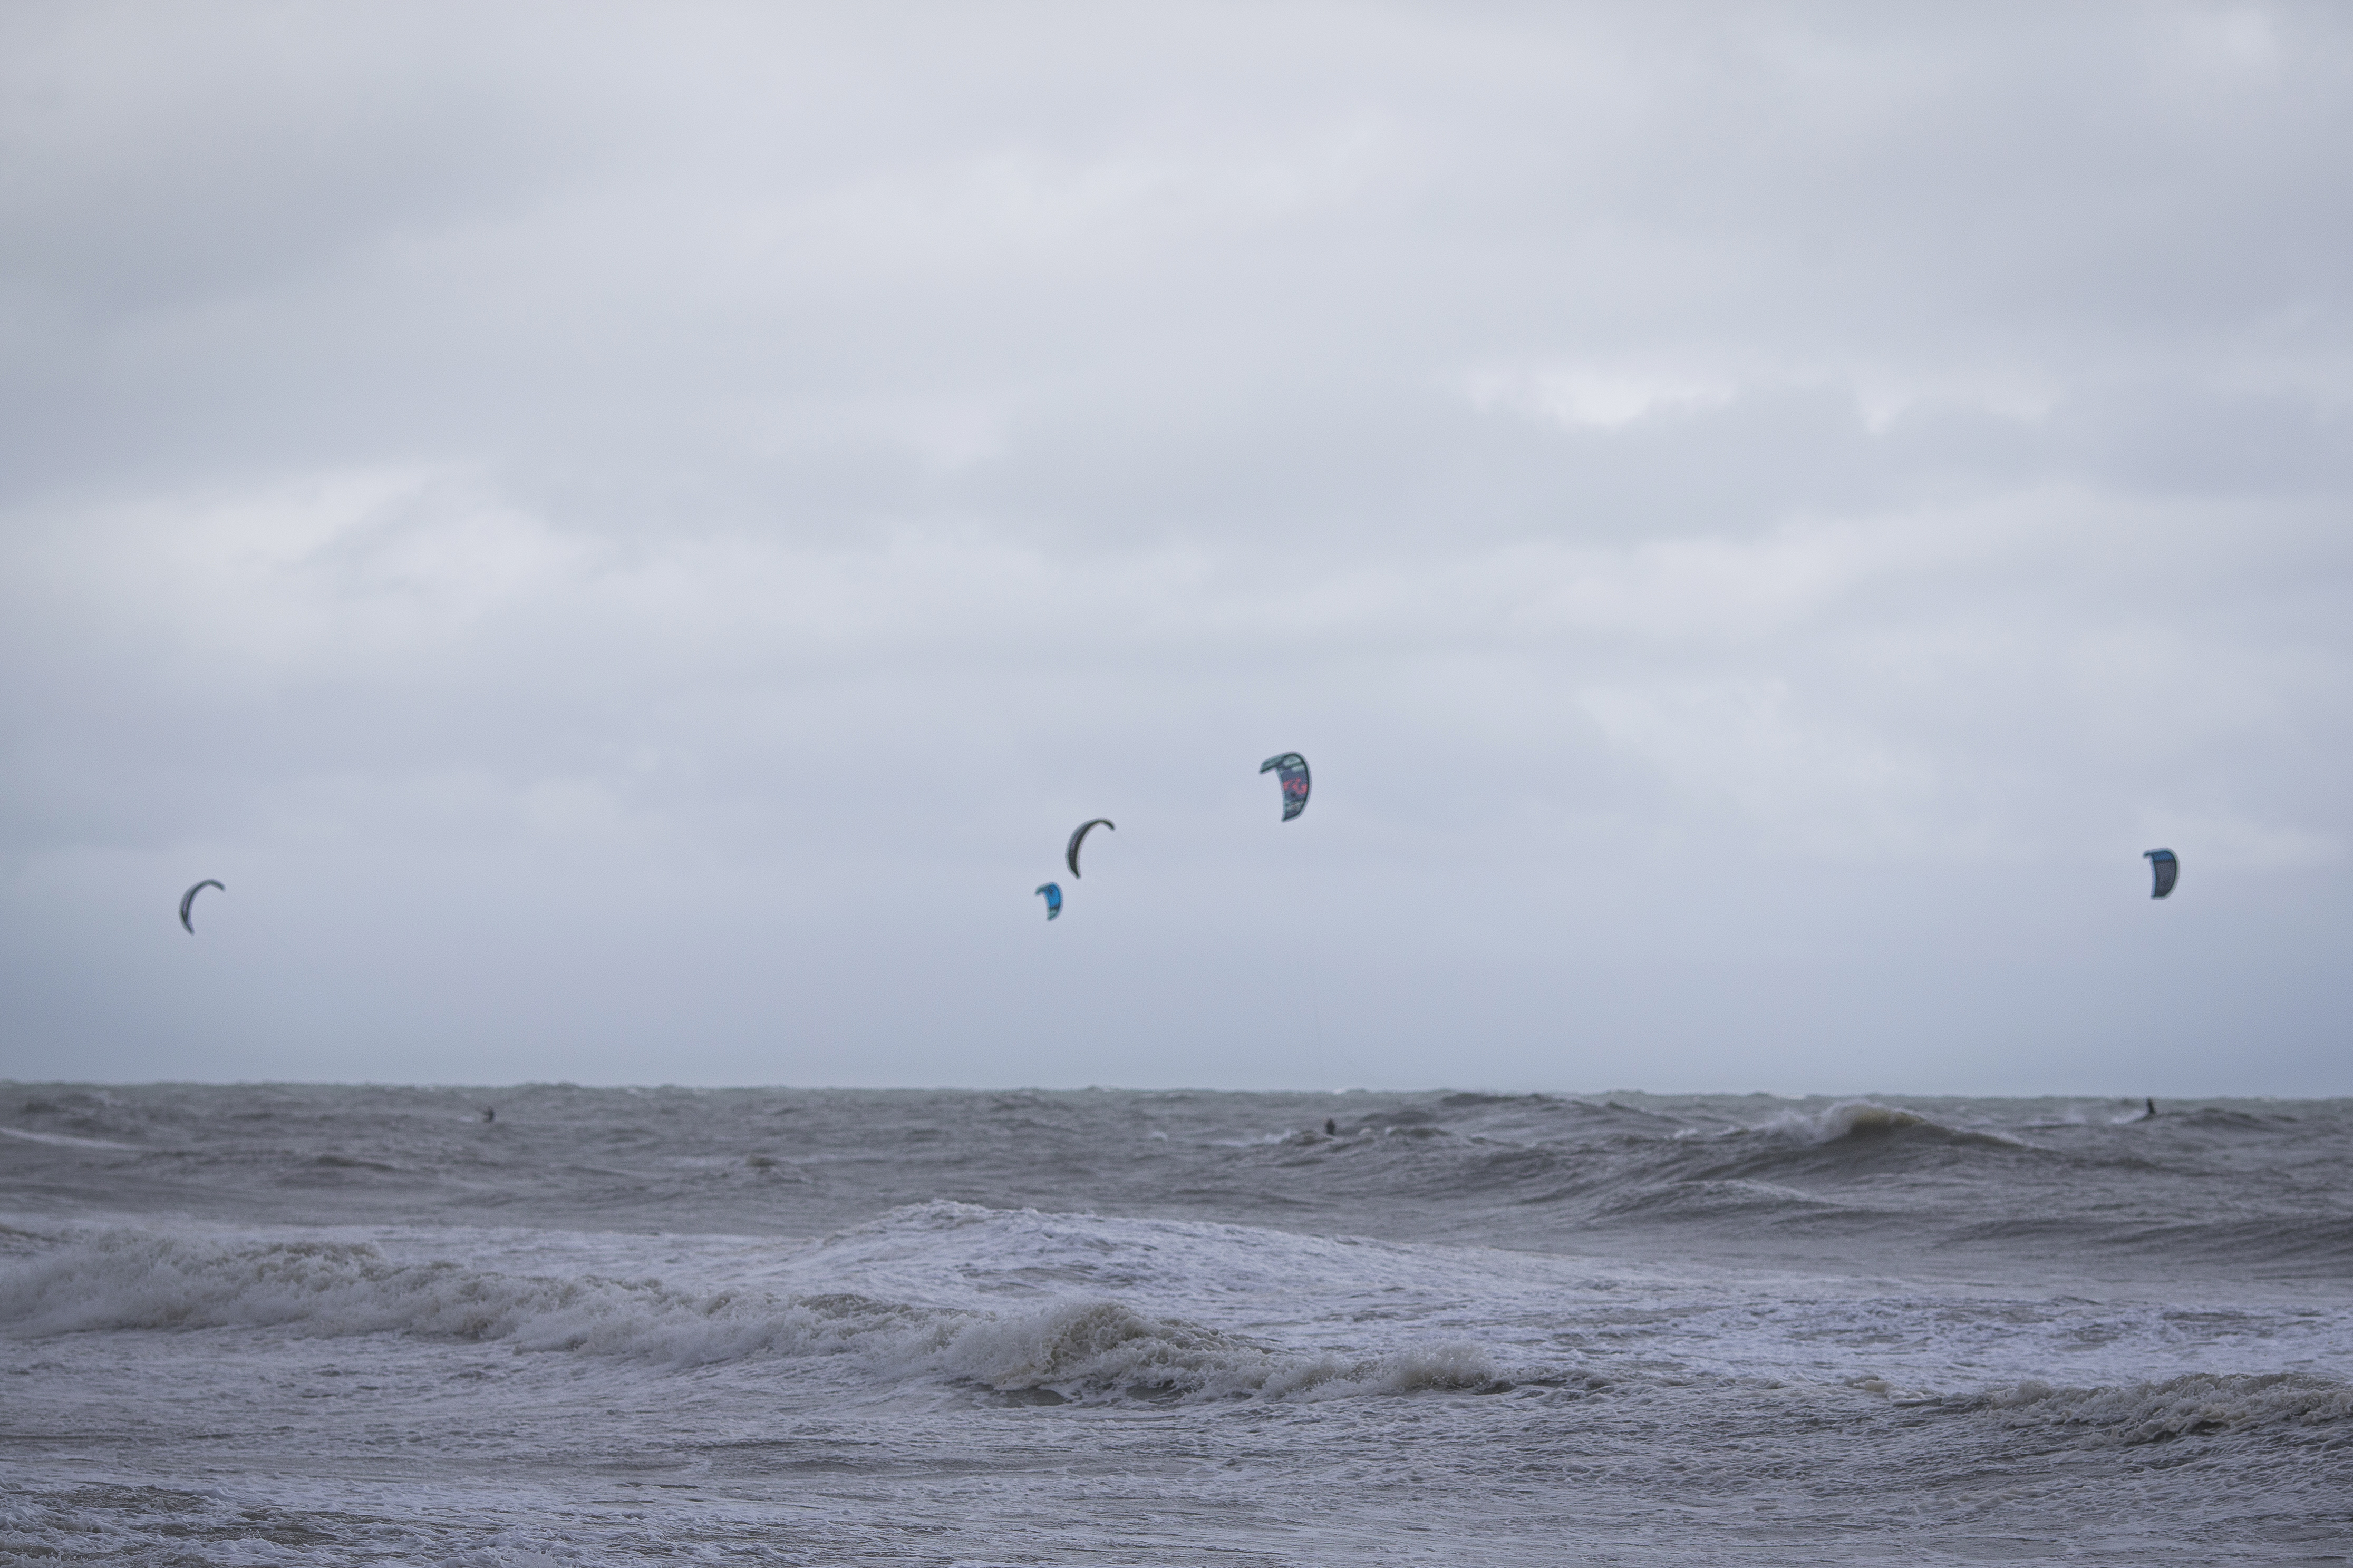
x=2166, y=866
x=188, y=903
x=1292, y=769
x=1070, y=855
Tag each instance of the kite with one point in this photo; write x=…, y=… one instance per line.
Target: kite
x=1292, y=769
x=1070, y=855
x=188, y=903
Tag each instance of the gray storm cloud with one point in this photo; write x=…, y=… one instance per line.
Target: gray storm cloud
x=629, y=535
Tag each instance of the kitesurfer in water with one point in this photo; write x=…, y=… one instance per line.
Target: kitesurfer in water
x=489, y=1113
x=1331, y=1128
x=2152, y=1109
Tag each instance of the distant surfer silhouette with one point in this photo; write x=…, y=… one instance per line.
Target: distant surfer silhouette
x=1331, y=1128
x=2152, y=1109
x=489, y=1113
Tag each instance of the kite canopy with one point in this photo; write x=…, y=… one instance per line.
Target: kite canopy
x=188, y=902
x=1053, y=893
x=1070, y=855
x=1292, y=769
x=2167, y=867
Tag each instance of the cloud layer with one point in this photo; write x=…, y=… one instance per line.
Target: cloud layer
x=626, y=536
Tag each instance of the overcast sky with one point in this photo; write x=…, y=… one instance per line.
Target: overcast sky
x=627, y=536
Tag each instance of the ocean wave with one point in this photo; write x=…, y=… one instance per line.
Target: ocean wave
x=1078, y=1349
x=1735, y=1198
x=1857, y=1121
x=1073, y=1349
x=1691, y=1177
x=142, y=1279
x=353, y=1162
x=2199, y=1402
x=2224, y=1120
x=64, y=1141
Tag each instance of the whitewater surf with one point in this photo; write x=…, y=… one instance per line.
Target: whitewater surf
x=319, y=1324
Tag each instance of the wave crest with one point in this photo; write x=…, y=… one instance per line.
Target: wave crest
x=1074, y=1349
x=1858, y=1120
x=139, y=1279
x=2199, y=1402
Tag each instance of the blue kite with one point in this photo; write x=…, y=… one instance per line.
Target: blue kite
x=1292, y=769
x=1071, y=854
x=188, y=903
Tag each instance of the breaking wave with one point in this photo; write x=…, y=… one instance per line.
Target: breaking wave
x=1081, y=1348
x=1856, y=1120
x=1068, y=1349
x=2200, y=1402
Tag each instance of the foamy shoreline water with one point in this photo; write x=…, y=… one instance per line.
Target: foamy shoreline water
x=314, y=1324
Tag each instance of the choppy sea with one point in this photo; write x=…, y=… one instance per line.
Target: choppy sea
x=296, y=1324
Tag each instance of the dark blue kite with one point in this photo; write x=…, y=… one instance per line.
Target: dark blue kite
x=188, y=903
x=1053, y=893
x=1292, y=769
x=1071, y=854
x=2167, y=867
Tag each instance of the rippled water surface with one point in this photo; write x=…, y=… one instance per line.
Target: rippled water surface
x=323, y=1324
